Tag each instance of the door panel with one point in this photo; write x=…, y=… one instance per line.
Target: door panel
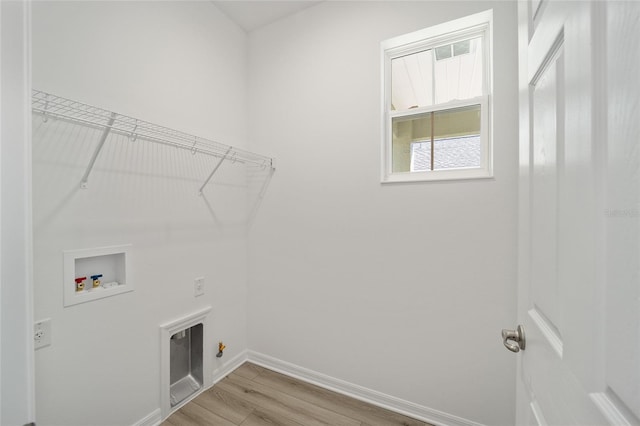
x=546, y=95
x=579, y=213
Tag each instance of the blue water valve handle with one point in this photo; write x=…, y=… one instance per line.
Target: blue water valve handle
x=96, y=280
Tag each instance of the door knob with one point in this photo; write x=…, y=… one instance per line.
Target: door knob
x=514, y=339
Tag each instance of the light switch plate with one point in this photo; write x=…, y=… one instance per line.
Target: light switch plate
x=198, y=286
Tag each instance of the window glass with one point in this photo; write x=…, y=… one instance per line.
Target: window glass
x=412, y=81
x=457, y=153
x=455, y=73
x=451, y=137
x=405, y=132
x=443, y=52
x=461, y=48
x=459, y=76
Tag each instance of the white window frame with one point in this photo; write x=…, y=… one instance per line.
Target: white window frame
x=479, y=24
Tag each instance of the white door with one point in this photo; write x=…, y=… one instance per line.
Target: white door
x=579, y=230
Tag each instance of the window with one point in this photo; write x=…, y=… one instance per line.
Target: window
x=436, y=102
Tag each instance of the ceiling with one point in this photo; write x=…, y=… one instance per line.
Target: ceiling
x=251, y=15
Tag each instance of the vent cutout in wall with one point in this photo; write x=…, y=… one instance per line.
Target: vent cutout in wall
x=185, y=349
x=185, y=360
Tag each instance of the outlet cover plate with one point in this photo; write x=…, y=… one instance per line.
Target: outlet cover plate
x=42, y=333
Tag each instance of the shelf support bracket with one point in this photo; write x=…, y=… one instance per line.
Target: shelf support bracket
x=215, y=169
x=103, y=138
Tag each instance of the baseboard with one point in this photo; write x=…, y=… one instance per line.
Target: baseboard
x=379, y=399
x=152, y=419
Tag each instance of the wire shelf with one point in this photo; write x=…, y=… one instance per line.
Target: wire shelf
x=49, y=105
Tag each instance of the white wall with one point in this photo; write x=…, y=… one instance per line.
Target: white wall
x=402, y=289
x=179, y=64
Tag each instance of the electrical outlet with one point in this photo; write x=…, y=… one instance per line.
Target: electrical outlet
x=198, y=286
x=42, y=333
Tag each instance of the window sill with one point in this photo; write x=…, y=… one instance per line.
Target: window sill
x=436, y=176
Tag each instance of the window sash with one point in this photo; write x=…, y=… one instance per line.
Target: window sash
x=484, y=171
x=408, y=113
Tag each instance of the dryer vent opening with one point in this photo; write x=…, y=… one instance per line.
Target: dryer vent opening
x=186, y=366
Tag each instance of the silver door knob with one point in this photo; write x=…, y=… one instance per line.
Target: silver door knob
x=514, y=339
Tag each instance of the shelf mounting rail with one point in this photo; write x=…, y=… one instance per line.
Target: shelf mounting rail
x=94, y=157
x=48, y=105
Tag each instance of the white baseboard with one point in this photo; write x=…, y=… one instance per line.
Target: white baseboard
x=379, y=399
x=152, y=419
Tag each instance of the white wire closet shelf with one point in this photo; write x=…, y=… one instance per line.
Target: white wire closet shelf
x=49, y=105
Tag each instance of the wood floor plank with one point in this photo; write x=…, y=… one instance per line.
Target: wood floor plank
x=367, y=413
x=224, y=404
x=248, y=370
x=202, y=416
x=265, y=418
x=180, y=419
x=283, y=404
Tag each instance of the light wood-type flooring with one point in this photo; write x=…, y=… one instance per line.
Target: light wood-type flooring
x=255, y=396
